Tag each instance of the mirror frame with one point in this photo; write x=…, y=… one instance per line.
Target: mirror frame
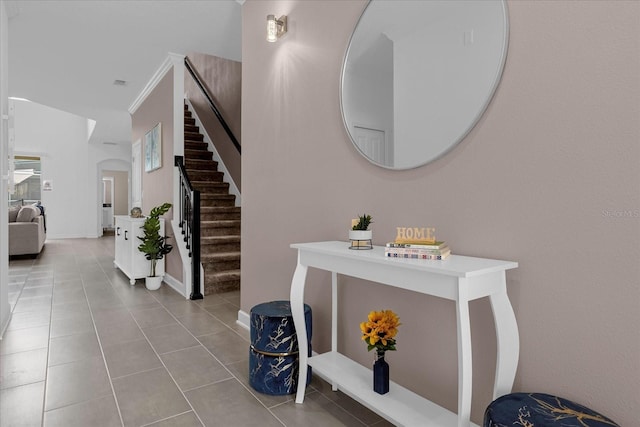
x=473, y=122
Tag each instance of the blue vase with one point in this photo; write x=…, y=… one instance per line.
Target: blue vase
x=380, y=374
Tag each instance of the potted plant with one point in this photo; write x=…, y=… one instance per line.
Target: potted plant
x=360, y=235
x=153, y=245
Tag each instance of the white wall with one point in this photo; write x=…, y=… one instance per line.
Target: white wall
x=70, y=163
x=5, y=310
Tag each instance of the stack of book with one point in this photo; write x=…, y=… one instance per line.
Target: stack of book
x=437, y=250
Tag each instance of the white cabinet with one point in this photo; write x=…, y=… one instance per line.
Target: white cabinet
x=128, y=258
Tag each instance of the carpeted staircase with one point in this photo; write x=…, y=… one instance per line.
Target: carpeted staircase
x=220, y=218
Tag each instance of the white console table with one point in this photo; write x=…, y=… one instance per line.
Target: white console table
x=458, y=278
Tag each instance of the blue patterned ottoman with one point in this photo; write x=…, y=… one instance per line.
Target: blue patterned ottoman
x=541, y=410
x=273, y=355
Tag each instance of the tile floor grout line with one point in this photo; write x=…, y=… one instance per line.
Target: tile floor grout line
x=104, y=358
x=46, y=368
x=180, y=349
x=103, y=256
x=167, y=418
x=218, y=360
x=184, y=396
x=136, y=372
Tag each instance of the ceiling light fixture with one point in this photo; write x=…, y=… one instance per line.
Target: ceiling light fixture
x=276, y=28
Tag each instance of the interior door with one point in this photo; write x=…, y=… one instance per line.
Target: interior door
x=372, y=144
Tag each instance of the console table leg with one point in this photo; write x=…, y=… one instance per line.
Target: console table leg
x=297, y=312
x=464, y=357
x=334, y=318
x=508, y=342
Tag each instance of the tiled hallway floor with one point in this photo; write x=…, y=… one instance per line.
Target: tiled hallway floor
x=84, y=348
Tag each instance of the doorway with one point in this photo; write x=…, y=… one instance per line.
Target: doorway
x=107, y=203
x=115, y=197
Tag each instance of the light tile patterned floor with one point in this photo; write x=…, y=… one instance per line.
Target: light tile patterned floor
x=84, y=348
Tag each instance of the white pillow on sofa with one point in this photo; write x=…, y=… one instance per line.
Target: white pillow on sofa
x=27, y=213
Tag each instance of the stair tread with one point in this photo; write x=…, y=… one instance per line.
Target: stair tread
x=220, y=222
x=224, y=273
x=200, y=160
x=210, y=183
x=216, y=196
x=220, y=239
x=217, y=209
x=207, y=164
x=201, y=172
x=220, y=255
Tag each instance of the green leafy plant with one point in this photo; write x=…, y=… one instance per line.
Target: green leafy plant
x=363, y=222
x=153, y=245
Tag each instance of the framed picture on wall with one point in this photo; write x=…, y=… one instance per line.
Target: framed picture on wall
x=153, y=148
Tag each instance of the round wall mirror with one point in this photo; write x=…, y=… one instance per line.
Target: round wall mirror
x=418, y=75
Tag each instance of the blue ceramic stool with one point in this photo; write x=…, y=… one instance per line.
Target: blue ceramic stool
x=541, y=410
x=273, y=355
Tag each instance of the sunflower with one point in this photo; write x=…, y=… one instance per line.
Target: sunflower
x=380, y=329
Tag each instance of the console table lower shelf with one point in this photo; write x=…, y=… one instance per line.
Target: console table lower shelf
x=400, y=406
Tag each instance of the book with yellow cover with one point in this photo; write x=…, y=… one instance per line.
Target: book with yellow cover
x=435, y=245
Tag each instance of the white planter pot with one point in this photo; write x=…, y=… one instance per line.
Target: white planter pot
x=153, y=283
x=361, y=239
x=360, y=234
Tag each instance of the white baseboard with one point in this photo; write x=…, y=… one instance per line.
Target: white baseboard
x=175, y=284
x=243, y=319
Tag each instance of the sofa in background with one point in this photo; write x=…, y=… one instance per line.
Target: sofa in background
x=27, y=231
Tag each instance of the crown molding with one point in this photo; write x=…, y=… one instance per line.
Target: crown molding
x=171, y=60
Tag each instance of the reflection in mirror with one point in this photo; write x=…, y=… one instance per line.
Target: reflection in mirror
x=418, y=75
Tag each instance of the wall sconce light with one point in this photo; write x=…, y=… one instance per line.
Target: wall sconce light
x=276, y=27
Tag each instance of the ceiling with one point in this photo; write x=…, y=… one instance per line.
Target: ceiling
x=67, y=54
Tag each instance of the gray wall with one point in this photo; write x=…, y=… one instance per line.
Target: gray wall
x=157, y=185
x=548, y=178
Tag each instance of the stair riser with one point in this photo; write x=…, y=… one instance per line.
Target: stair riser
x=191, y=128
x=206, y=248
x=191, y=145
x=205, y=165
x=211, y=176
x=217, y=203
x=211, y=188
x=220, y=231
x=193, y=136
x=219, y=287
x=219, y=266
x=222, y=216
x=197, y=154
x=189, y=122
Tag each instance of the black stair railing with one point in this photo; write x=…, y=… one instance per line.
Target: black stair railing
x=212, y=104
x=190, y=224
